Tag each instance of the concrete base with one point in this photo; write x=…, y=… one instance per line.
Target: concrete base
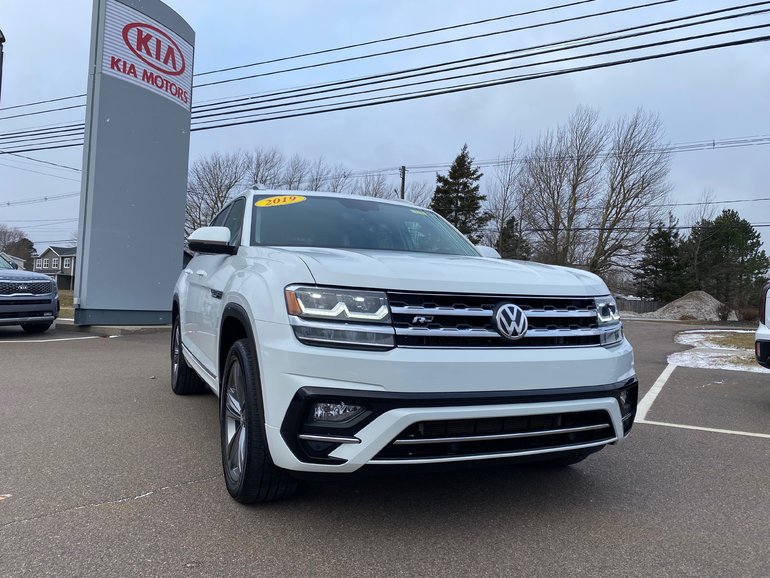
x=121, y=317
x=108, y=330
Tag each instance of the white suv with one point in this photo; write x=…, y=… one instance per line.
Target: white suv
x=346, y=334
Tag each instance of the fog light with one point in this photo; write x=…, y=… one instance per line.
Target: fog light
x=335, y=412
x=625, y=402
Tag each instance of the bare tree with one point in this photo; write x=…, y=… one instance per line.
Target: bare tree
x=561, y=177
x=504, y=198
x=419, y=192
x=9, y=236
x=338, y=180
x=212, y=180
x=266, y=168
x=635, y=185
x=318, y=175
x=373, y=185
x=295, y=173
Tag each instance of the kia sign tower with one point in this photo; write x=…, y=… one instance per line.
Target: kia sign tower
x=132, y=204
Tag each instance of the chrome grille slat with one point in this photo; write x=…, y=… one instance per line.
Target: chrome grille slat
x=474, y=312
x=531, y=334
x=476, y=438
x=466, y=320
x=505, y=435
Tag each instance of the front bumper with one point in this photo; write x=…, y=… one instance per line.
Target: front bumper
x=405, y=387
x=18, y=309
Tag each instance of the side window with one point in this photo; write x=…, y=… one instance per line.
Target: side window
x=219, y=220
x=234, y=221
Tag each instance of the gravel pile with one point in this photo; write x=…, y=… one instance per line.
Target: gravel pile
x=697, y=305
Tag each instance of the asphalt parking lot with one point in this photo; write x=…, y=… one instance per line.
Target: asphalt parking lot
x=104, y=472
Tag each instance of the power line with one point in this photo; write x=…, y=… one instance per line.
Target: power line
x=38, y=199
x=52, y=134
x=391, y=38
x=486, y=72
x=460, y=88
x=39, y=172
x=479, y=85
x=47, y=135
x=396, y=51
x=439, y=43
x=340, y=48
x=229, y=103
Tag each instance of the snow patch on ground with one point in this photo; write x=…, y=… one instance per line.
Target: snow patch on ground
x=706, y=354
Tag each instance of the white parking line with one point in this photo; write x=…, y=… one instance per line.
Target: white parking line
x=52, y=340
x=697, y=428
x=647, y=401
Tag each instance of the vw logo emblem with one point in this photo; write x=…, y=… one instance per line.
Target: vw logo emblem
x=510, y=321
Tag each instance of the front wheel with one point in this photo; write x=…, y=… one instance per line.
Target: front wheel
x=35, y=327
x=250, y=474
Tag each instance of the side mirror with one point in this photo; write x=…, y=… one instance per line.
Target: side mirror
x=488, y=252
x=211, y=240
x=14, y=264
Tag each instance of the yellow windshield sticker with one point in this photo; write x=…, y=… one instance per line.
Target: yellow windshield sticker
x=418, y=212
x=277, y=201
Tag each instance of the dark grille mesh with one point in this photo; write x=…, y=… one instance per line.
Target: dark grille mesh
x=25, y=287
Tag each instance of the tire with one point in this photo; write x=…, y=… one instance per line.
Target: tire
x=184, y=380
x=250, y=474
x=566, y=459
x=35, y=327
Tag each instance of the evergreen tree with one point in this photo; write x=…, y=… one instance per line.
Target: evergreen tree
x=511, y=244
x=661, y=273
x=457, y=197
x=726, y=258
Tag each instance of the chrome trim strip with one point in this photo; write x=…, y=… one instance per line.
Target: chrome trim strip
x=441, y=311
x=531, y=332
x=330, y=439
x=476, y=312
x=348, y=344
x=469, y=457
x=341, y=325
x=506, y=436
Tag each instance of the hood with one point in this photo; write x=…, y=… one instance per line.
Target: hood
x=445, y=273
x=20, y=275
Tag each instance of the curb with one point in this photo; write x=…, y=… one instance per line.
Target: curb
x=63, y=324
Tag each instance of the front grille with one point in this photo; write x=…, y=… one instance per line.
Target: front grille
x=20, y=302
x=457, y=320
x=504, y=435
x=26, y=287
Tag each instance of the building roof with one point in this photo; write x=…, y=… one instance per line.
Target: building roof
x=64, y=251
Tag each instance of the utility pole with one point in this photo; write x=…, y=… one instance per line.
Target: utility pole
x=2, y=41
x=402, y=171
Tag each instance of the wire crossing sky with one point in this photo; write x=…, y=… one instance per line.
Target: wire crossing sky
x=404, y=83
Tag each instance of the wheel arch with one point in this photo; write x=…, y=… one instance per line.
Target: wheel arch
x=235, y=325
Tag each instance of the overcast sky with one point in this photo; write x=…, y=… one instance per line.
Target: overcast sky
x=711, y=95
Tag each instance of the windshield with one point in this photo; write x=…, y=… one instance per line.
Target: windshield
x=345, y=223
x=4, y=264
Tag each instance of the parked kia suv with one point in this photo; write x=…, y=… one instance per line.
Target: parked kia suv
x=27, y=299
x=346, y=334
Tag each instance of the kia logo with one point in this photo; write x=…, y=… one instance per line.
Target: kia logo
x=154, y=47
x=511, y=321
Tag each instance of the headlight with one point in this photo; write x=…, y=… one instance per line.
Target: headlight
x=606, y=311
x=608, y=318
x=340, y=317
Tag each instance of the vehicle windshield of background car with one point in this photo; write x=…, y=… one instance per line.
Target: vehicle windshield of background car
x=5, y=264
x=345, y=223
